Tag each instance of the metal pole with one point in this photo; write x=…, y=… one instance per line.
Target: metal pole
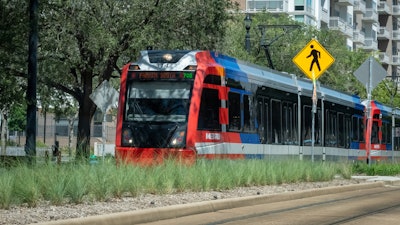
x=104, y=132
x=313, y=111
x=247, y=41
x=247, y=22
x=299, y=123
x=369, y=111
x=393, y=131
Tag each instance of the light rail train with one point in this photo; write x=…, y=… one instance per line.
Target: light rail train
x=202, y=104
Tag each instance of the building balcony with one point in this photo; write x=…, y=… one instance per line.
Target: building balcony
x=337, y=23
x=383, y=34
x=345, y=2
x=396, y=35
x=324, y=16
x=359, y=7
x=384, y=58
x=396, y=10
x=371, y=15
x=358, y=37
x=384, y=8
x=396, y=60
x=370, y=44
x=280, y=7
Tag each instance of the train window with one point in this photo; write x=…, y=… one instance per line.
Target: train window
x=341, y=130
x=289, y=114
x=354, y=128
x=248, y=126
x=347, y=129
x=295, y=125
x=375, y=133
x=331, y=128
x=213, y=79
x=361, y=130
x=318, y=121
x=262, y=118
x=388, y=133
x=209, y=110
x=384, y=130
x=307, y=123
x=234, y=111
x=276, y=121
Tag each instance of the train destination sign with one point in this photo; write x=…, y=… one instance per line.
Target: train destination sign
x=161, y=75
x=313, y=60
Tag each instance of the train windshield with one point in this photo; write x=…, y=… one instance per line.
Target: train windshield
x=157, y=101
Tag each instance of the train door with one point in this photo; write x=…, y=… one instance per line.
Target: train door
x=262, y=118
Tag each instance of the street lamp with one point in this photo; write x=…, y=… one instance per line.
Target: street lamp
x=247, y=24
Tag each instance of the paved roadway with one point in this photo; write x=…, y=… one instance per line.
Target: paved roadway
x=380, y=205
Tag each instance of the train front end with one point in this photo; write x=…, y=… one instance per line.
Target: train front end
x=153, y=111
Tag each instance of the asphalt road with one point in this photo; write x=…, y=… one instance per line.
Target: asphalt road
x=380, y=205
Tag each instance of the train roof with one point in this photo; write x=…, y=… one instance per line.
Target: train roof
x=245, y=71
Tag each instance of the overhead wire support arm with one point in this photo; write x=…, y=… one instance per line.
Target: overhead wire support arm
x=286, y=29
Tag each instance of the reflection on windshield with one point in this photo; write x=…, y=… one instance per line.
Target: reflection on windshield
x=157, y=101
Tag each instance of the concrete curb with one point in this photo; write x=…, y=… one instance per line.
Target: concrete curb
x=389, y=180
x=169, y=212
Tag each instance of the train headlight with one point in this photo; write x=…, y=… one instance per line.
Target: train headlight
x=178, y=139
x=127, y=137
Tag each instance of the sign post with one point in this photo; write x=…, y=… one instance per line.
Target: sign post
x=313, y=60
x=376, y=73
x=105, y=96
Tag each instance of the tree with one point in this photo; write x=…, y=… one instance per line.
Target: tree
x=285, y=44
x=83, y=43
x=17, y=119
x=13, y=54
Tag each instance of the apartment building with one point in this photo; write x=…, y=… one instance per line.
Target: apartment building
x=370, y=25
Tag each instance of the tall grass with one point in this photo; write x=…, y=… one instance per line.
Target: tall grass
x=79, y=182
x=6, y=189
x=383, y=169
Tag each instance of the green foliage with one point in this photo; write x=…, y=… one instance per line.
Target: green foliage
x=6, y=189
x=13, y=52
x=86, y=42
x=285, y=44
x=17, y=118
x=26, y=186
x=381, y=169
x=387, y=93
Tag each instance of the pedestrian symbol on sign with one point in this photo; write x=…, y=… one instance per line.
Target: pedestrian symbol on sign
x=315, y=54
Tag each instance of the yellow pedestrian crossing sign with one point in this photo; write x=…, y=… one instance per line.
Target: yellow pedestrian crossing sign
x=313, y=59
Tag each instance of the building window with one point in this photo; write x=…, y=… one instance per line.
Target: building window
x=271, y=5
x=299, y=18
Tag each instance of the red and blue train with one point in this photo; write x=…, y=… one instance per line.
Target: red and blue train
x=203, y=104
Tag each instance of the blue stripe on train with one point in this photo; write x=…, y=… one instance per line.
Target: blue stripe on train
x=249, y=138
x=254, y=156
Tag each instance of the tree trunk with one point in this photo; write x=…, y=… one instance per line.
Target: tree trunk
x=86, y=112
x=3, y=135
